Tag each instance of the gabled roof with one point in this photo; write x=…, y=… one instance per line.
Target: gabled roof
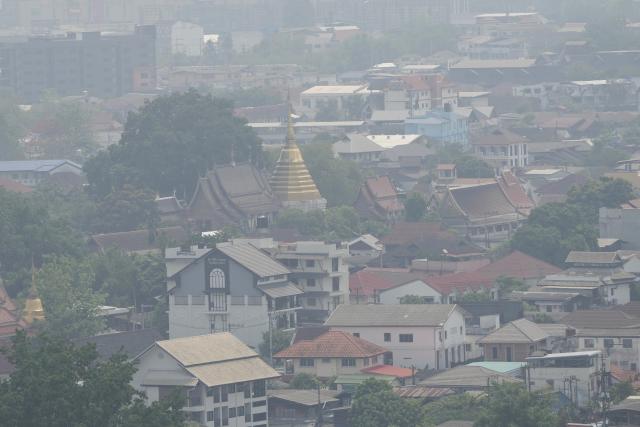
x=332, y=344
x=202, y=349
x=168, y=205
x=35, y=165
x=498, y=137
x=462, y=282
x=583, y=257
x=521, y=266
x=563, y=185
x=305, y=397
x=429, y=235
x=252, y=259
x=481, y=201
x=600, y=319
x=356, y=143
x=378, y=198
x=138, y=240
x=388, y=370
x=391, y=315
x=473, y=377
x=130, y=343
x=367, y=283
x=518, y=331
x=515, y=192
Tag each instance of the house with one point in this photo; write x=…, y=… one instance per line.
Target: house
x=407, y=241
x=233, y=287
x=365, y=286
x=138, y=241
x=500, y=148
x=232, y=195
x=224, y=381
x=446, y=127
x=514, y=342
x=378, y=200
x=320, y=270
x=170, y=210
x=625, y=413
x=358, y=148
x=331, y=354
x=576, y=374
x=130, y=343
x=556, y=191
x=468, y=378
x=420, y=335
x=521, y=266
x=300, y=407
x=621, y=223
x=364, y=248
x=610, y=290
x=551, y=303
x=494, y=71
x=14, y=186
x=613, y=332
x=315, y=98
x=33, y=172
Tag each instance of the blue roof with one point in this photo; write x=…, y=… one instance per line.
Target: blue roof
x=34, y=165
x=502, y=367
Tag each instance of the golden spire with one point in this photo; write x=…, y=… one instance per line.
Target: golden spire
x=291, y=180
x=33, y=309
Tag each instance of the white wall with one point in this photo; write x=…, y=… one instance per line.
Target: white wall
x=186, y=39
x=417, y=287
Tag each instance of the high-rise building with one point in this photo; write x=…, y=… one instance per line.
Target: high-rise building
x=98, y=64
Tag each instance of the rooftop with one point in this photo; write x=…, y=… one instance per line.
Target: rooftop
x=582, y=257
x=304, y=397
x=465, y=376
x=518, y=331
x=493, y=63
x=34, y=165
x=332, y=344
x=253, y=259
x=335, y=90
x=391, y=315
x=388, y=370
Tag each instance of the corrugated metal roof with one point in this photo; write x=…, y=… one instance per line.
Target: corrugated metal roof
x=304, y=397
x=278, y=290
x=468, y=377
x=420, y=392
x=206, y=348
x=518, y=331
x=582, y=257
x=253, y=259
x=168, y=378
x=233, y=371
x=34, y=165
x=391, y=315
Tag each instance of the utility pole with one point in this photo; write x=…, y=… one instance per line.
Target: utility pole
x=319, y=423
x=270, y=340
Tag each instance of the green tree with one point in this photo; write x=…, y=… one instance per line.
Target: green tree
x=58, y=385
x=304, y=381
x=475, y=296
x=125, y=209
x=463, y=407
x=375, y=405
x=595, y=194
x=415, y=207
x=470, y=167
x=506, y=285
x=511, y=405
x=412, y=299
x=70, y=304
x=620, y=391
x=338, y=180
x=279, y=340
x=12, y=127
x=172, y=141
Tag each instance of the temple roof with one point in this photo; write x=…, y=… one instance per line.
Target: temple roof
x=291, y=180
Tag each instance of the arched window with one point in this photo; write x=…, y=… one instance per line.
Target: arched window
x=216, y=279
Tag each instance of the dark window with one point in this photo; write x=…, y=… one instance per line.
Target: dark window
x=216, y=417
x=549, y=309
x=608, y=343
x=232, y=412
x=494, y=352
x=335, y=284
x=225, y=416
x=259, y=403
x=348, y=362
x=356, y=334
x=247, y=390
x=627, y=343
x=406, y=337
x=387, y=337
x=334, y=264
x=225, y=394
x=311, y=302
x=306, y=361
x=260, y=417
x=311, y=282
x=309, y=263
x=509, y=355
x=247, y=412
x=259, y=388
x=240, y=411
x=209, y=415
x=588, y=343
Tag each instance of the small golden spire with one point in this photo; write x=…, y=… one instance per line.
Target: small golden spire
x=33, y=309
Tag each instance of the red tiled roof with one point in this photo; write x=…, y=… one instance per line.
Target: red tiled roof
x=392, y=371
x=498, y=137
x=519, y=265
x=365, y=283
x=429, y=234
x=461, y=282
x=16, y=187
x=515, y=192
x=563, y=185
x=332, y=344
x=6, y=301
x=384, y=193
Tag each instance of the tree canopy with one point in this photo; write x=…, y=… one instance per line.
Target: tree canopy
x=56, y=384
x=415, y=207
x=170, y=142
x=375, y=405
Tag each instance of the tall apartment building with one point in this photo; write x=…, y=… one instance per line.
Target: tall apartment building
x=99, y=64
x=319, y=269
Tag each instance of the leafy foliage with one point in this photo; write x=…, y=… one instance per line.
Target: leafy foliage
x=511, y=405
x=412, y=299
x=125, y=209
x=375, y=405
x=170, y=142
x=279, y=339
x=620, y=391
x=58, y=385
x=605, y=192
x=304, y=381
x=415, y=207
x=462, y=407
x=12, y=127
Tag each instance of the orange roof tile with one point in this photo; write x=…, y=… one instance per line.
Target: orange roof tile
x=332, y=344
x=392, y=371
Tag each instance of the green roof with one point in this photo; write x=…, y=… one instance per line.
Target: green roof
x=502, y=367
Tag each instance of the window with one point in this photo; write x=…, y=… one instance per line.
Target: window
x=225, y=394
x=348, y=362
x=509, y=354
x=259, y=403
x=311, y=282
x=306, y=361
x=260, y=417
x=311, y=302
x=494, y=353
x=259, y=388
x=633, y=367
x=232, y=412
x=549, y=309
x=326, y=360
x=627, y=343
x=209, y=415
x=467, y=347
x=225, y=416
x=356, y=334
x=588, y=343
x=608, y=343
x=216, y=417
x=247, y=412
x=335, y=284
x=366, y=361
x=240, y=411
x=406, y=337
x=387, y=337
x=374, y=360
x=309, y=263
x=612, y=291
x=334, y=264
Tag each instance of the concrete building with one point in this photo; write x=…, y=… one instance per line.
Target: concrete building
x=441, y=126
x=33, y=172
x=502, y=149
x=105, y=65
x=179, y=38
x=575, y=374
x=331, y=354
x=621, y=223
x=420, y=335
x=336, y=97
x=514, y=342
x=224, y=381
x=235, y=288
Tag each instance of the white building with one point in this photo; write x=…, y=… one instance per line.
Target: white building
x=236, y=288
x=420, y=335
x=223, y=380
x=317, y=97
x=320, y=271
x=575, y=374
x=501, y=149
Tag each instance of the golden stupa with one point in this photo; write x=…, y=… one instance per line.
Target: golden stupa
x=291, y=181
x=33, y=309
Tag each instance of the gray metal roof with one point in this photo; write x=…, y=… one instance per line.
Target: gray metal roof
x=543, y=296
x=304, y=397
x=277, y=290
x=34, y=165
x=391, y=315
x=580, y=257
x=518, y=331
x=253, y=259
x=473, y=377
